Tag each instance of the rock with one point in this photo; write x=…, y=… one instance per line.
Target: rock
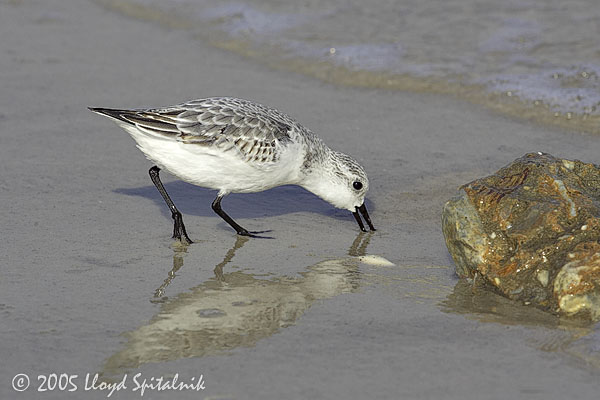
x=532, y=230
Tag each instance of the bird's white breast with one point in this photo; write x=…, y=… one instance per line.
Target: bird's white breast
x=211, y=167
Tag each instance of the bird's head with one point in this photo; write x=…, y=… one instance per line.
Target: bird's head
x=342, y=182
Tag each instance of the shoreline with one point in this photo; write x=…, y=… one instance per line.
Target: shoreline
x=506, y=103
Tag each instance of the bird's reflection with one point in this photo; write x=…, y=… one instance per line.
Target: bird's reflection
x=359, y=246
x=178, y=252
x=240, y=241
x=232, y=309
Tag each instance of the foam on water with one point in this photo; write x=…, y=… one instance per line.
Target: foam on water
x=240, y=19
x=534, y=58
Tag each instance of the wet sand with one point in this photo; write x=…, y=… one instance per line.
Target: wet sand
x=91, y=281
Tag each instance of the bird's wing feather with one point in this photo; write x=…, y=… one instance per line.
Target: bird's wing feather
x=256, y=133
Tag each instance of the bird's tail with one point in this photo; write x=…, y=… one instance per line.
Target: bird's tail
x=118, y=115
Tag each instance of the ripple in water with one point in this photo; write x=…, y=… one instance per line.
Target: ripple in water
x=538, y=59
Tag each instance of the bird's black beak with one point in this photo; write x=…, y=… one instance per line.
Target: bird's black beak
x=365, y=214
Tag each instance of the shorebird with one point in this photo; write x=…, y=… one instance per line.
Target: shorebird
x=238, y=146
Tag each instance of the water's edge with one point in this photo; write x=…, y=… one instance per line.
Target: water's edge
x=331, y=68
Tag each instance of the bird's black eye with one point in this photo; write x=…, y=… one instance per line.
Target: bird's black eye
x=357, y=185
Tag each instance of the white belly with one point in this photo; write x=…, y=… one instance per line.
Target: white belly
x=209, y=167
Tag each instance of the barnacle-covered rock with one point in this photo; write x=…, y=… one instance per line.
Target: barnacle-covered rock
x=532, y=230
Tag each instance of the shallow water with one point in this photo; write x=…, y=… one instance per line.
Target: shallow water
x=536, y=59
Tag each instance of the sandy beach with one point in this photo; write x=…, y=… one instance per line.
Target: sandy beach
x=91, y=281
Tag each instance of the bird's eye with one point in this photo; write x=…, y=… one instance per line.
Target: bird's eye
x=357, y=185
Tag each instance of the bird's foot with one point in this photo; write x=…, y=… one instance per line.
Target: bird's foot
x=179, y=232
x=254, y=234
x=182, y=236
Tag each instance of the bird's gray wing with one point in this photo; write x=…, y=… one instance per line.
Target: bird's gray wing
x=256, y=133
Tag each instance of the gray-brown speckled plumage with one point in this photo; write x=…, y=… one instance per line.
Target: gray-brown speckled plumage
x=253, y=130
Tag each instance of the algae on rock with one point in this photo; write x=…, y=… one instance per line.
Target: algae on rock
x=532, y=230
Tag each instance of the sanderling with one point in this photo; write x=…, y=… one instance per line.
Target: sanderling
x=237, y=146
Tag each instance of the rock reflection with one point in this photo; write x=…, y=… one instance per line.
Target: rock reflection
x=479, y=301
x=232, y=309
x=576, y=338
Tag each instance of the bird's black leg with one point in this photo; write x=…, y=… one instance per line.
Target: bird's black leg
x=178, y=228
x=216, y=206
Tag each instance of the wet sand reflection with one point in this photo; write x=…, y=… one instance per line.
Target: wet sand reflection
x=576, y=338
x=232, y=309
